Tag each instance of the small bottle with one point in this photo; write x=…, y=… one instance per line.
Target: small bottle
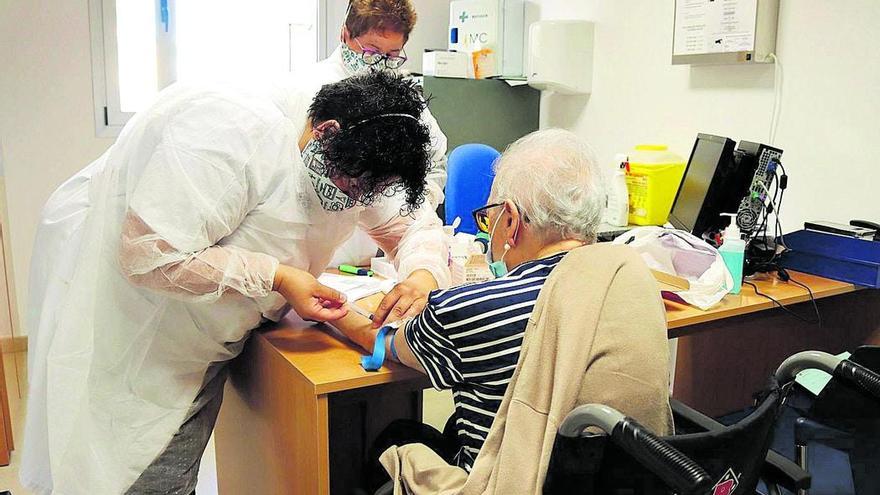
x=733, y=252
x=617, y=210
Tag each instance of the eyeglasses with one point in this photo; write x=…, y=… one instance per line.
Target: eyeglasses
x=481, y=217
x=373, y=57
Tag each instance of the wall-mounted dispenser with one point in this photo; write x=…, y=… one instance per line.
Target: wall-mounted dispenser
x=560, y=56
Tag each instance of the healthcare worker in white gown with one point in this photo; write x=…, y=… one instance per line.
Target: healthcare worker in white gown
x=372, y=38
x=213, y=212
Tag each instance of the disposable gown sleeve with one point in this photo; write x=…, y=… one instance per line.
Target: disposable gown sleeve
x=414, y=242
x=437, y=175
x=196, y=188
x=149, y=261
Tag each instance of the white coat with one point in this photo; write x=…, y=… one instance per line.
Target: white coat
x=359, y=248
x=153, y=261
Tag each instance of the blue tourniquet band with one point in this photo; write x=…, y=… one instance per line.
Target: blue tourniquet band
x=374, y=362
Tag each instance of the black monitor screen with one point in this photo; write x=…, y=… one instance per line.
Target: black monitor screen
x=707, y=153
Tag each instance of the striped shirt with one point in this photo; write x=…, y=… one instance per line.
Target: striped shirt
x=468, y=339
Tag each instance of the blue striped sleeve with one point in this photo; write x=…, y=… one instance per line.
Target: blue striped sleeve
x=437, y=354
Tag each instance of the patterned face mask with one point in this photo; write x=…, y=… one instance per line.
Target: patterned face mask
x=331, y=197
x=353, y=62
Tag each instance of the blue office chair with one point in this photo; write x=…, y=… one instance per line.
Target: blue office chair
x=469, y=181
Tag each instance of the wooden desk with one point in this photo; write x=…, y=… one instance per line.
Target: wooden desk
x=683, y=319
x=726, y=354
x=299, y=411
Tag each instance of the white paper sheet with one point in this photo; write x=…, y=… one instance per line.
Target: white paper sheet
x=714, y=26
x=356, y=287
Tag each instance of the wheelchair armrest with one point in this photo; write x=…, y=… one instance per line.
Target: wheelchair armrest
x=781, y=471
x=777, y=469
x=681, y=412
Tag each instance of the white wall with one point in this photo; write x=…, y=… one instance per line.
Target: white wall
x=829, y=126
x=431, y=31
x=46, y=115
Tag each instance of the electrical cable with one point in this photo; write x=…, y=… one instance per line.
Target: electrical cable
x=817, y=321
x=761, y=231
x=777, y=97
x=812, y=298
x=779, y=233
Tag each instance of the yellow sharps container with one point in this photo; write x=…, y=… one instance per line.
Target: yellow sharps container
x=653, y=179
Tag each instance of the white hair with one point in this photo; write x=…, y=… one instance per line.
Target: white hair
x=552, y=176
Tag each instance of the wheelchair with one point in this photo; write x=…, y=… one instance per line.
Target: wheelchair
x=725, y=460
x=599, y=451
x=836, y=435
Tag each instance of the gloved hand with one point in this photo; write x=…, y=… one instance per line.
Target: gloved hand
x=309, y=298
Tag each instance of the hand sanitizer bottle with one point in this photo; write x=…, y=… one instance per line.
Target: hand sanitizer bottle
x=617, y=210
x=733, y=252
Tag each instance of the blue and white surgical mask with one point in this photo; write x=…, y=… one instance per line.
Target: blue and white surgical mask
x=331, y=197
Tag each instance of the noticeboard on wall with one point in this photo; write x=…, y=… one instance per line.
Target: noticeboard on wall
x=724, y=31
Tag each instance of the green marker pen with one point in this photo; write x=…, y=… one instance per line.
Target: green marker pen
x=353, y=270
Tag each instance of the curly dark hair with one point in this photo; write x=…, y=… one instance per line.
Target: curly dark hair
x=386, y=153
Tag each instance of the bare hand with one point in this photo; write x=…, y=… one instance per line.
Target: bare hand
x=406, y=299
x=309, y=298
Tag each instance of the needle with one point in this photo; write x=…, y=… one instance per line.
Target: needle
x=361, y=311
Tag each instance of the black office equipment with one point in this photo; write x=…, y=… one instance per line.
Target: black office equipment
x=705, y=191
x=868, y=225
x=762, y=161
x=855, y=231
x=720, y=179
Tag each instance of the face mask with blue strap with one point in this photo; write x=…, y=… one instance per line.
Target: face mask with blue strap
x=498, y=268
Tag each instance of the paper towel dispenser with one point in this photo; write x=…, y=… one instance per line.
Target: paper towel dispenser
x=560, y=56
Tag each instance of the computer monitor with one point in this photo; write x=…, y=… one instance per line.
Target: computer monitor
x=705, y=191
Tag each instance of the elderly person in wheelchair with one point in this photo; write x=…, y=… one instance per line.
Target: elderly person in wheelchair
x=566, y=321
x=559, y=367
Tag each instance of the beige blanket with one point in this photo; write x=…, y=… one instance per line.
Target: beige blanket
x=597, y=335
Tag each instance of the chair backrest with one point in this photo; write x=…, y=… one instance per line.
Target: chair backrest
x=469, y=181
x=733, y=457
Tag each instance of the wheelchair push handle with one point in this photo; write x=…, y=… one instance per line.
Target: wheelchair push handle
x=679, y=472
x=683, y=475
x=805, y=360
x=861, y=376
x=833, y=365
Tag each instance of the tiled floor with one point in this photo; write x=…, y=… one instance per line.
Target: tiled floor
x=437, y=408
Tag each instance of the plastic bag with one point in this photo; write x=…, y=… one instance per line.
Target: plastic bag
x=681, y=254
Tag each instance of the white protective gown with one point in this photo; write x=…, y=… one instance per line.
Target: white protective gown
x=159, y=254
x=360, y=248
